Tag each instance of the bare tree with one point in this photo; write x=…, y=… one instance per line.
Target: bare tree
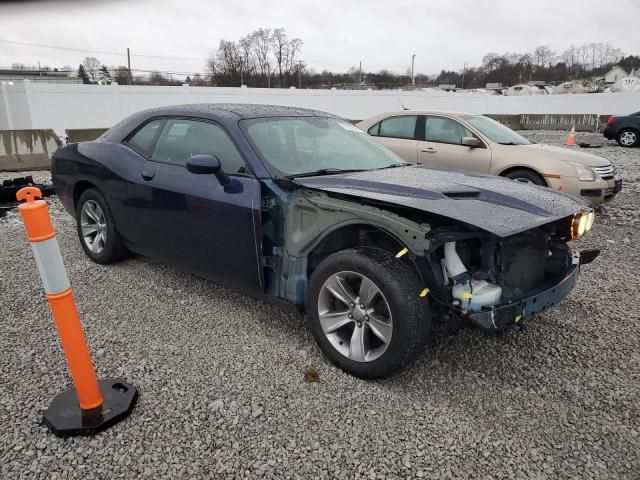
x=92, y=68
x=280, y=47
x=292, y=61
x=247, y=61
x=491, y=61
x=583, y=56
x=229, y=61
x=543, y=55
x=121, y=75
x=262, y=42
x=570, y=57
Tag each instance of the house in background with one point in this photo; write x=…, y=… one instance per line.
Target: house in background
x=615, y=74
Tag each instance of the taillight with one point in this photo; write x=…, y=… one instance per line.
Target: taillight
x=611, y=120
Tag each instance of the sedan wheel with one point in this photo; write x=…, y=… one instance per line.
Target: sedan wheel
x=628, y=138
x=94, y=227
x=355, y=316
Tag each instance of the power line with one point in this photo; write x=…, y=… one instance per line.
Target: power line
x=147, y=55
x=104, y=52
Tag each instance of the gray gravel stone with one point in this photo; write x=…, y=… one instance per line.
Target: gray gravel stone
x=221, y=376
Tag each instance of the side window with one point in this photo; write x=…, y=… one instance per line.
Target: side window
x=445, y=130
x=180, y=139
x=401, y=126
x=375, y=130
x=142, y=140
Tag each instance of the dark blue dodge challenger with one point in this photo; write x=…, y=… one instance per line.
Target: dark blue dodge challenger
x=302, y=209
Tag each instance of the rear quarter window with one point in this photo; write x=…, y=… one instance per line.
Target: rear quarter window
x=142, y=141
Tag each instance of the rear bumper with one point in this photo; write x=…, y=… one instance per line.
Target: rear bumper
x=504, y=316
x=610, y=133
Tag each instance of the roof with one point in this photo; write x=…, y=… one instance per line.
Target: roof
x=441, y=112
x=216, y=111
x=616, y=67
x=227, y=114
x=375, y=118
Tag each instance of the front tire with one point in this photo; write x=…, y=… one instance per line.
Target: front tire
x=97, y=231
x=365, y=311
x=526, y=176
x=628, y=138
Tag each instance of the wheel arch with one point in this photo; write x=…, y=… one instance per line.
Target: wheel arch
x=78, y=189
x=349, y=234
x=513, y=168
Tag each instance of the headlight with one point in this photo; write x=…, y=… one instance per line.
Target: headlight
x=582, y=223
x=585, y=173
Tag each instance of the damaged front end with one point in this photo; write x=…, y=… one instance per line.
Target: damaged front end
x=498, y=282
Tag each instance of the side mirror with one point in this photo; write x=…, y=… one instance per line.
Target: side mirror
x=471, y=142
x=208, y=164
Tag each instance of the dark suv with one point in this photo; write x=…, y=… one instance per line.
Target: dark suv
x=625, y=129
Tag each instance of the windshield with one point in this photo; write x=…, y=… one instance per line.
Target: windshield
x=301, y=145
x=496, y=131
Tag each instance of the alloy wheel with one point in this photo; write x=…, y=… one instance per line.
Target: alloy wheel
x=628, y=138
x=355, y=316
x=93, y=225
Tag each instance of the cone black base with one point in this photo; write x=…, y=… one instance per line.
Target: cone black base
x=64, y=417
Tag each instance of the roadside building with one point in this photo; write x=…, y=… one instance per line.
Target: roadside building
x=615, y=74
x=44, y=76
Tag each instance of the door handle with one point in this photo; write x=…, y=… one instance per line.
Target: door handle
x=148, y=175
x=428, y=150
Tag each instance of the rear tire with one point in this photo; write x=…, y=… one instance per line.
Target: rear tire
x=526, y=176
x=628, y=138
x=97, y=231
x=393, y=311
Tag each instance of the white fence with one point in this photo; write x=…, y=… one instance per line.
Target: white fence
x=28, y=105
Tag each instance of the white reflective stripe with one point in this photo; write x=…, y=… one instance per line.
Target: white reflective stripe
x=50, y=266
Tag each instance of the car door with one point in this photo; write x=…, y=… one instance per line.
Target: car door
x=440, y=146
x=194, y=222
x=398, y=134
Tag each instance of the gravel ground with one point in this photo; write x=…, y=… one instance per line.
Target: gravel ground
x=222, y=390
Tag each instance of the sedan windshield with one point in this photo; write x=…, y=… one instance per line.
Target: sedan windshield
x=496, y=131
x=293, y=146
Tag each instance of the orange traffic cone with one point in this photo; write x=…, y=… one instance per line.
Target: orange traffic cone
x=571, y=139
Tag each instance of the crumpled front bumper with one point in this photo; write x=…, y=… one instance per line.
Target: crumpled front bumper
x=501, y=317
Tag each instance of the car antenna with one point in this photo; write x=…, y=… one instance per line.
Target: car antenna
x=402, y=104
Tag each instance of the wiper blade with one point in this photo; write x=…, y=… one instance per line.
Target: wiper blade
x=509, y=143
x=395, y=165
x=323, y=171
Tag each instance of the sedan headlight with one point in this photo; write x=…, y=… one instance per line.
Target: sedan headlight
x=582, y=222
x=586, y=174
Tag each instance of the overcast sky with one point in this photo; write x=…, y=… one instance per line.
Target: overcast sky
x=337, y=34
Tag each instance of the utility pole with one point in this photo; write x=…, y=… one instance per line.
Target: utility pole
x=299, y=74
x=129, y=65
x=360, y=74
x=464, y=68
x=413, y=78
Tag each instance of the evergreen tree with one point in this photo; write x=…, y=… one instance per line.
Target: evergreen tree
x=83, y=74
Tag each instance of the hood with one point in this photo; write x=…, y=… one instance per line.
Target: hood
x=494, y=204
x=573, y=154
